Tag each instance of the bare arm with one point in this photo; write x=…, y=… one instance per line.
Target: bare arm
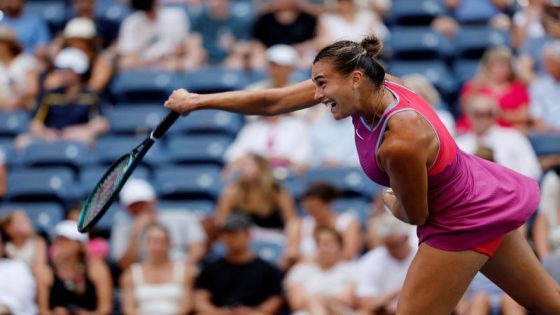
x=187, y=301
x=225, y=206
x=540, y=235
x=203, y=304
x=127, y=288
x=101, y=278
x=352, y=240
x=265, y=102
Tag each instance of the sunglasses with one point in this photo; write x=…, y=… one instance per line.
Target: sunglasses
x=482, y=114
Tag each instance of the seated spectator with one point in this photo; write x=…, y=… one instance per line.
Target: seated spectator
x=552, y=265
x=32, y=31
x=70, y=111
x=97, y=246
x=3, y=175
x=188, y=239
x=545, y=92
x=317, y=201
x=348, y=22
x=264, y=200
x=528, y=23
x=107, y=29
x=510, y=147
x=324, y=285
x=156, y=37
x=281, y=61
x=17, y=287
x=485, y=298
x=239, y=282
x=157, y=285
x=496, y=79
x=546, y=231
x=381, y=272
x=21, y=242
x=80, y=33
x=421, y=85
x=224, y=36
x=19, y=74
x=73, y=284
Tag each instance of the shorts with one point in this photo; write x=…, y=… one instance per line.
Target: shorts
x=489, y=248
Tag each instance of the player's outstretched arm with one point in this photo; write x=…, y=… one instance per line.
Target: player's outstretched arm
x=265, y=102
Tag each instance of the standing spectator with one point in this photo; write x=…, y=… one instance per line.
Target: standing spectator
x=317, y=201
x=545, y=92
x=324, y=285
x=70, y=111
x=139, y=199
x=224, y=35
x=17, y=287
x=19, y=74
x=510, y=147
x=21, y=242
x=381, y=272
x=240, y=282
x=74, y=284
x=107, y=30
x=32, y=31
x=496, y=79
x=156, y=37
x=157, y=285
x=528, y=23
x=546, y=231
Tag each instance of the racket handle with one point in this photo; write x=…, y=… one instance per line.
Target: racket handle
x=165, y=124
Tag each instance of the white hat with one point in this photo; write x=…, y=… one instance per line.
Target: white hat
x=283, y=55
x=136, y=190
x=80, y=28
x=72, y=59
x=69, y=229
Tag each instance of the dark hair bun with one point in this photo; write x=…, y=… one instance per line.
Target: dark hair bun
x=373, y=45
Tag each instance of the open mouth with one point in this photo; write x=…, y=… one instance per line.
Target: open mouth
x=331, y=104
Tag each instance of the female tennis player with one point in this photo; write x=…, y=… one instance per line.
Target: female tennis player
x=467, y=210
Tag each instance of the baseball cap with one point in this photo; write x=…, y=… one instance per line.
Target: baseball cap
x=236, y=222
x=69, y=229
x=283, y=55
x=136, y=190
x=80, y=28
x=72, y=59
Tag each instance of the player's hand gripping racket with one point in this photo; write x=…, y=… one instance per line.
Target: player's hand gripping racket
x=111, y=183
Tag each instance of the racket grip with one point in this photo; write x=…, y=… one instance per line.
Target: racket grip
x=165, y=124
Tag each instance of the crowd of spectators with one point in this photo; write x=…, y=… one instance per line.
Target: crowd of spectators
x=161, y=259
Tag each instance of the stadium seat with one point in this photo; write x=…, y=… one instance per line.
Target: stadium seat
x=472, y=41
x=7, y=147
x=43, y=215
x=60, y=153
x=198, y=149
x=419, y=43
x=107, y=220
x=139, y=120
x=465, y=69
x=110, y=148
x=188, y=182
x=213, y=79
x=144, y=85
x=55, y=184
x=200, y=208
x=91, y=175
x=414, y=12
x=359, y=207
x=352, y=181
x=53, y=12
x=209, y=122
x=545, y=144
x=113, y=11
x=268, y=251
x=295, y=185
x=13, y=123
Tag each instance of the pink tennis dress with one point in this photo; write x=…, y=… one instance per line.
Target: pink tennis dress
x=471, y=201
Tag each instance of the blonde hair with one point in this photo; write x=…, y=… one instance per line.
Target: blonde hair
x=421, y=85
x=498, y=53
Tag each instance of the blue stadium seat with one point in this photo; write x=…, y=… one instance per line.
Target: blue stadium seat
x=7, y=147
x=200, y=208
x=13, y=123
x=359, y=207
x=109, y=218
x=46, y=184
x=465, y=69
x=545, y=144
x=89, y=176
x=188, y=182
x=352, y=181
x=268, y=251
x=198, y=149
x=59, y=153
x=472, y=41
x=209, y=121
x=112, y=10
x=43, y=215
x=415, y=12
x=419, y=43
x=53, y=12
x=213, y=79
x=110, y=148
x=295, y=185
x=139, y=120
x=144, y=85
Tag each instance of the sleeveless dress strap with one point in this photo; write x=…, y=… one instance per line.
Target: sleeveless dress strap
x=179, y=272
x=137, y=278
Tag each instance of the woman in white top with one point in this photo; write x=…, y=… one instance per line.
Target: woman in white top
x=546, y=231
x=157, y=285
x=317, y=201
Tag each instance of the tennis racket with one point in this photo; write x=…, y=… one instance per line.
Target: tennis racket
x=111, y=183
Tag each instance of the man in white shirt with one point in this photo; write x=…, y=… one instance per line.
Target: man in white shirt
x=545, y=91
x=188, y=238
x=381, y=272
x=509, y=146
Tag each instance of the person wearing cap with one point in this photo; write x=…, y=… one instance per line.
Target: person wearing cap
x=107, y=29
x=239, y=282
x=188, y=238
x=73, y=283
x=70, y=111
x=19, y=74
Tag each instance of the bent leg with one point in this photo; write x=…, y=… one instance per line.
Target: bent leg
x=515, y=268
x=436, y=280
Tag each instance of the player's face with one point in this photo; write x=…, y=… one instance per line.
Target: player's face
x=334, y=90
